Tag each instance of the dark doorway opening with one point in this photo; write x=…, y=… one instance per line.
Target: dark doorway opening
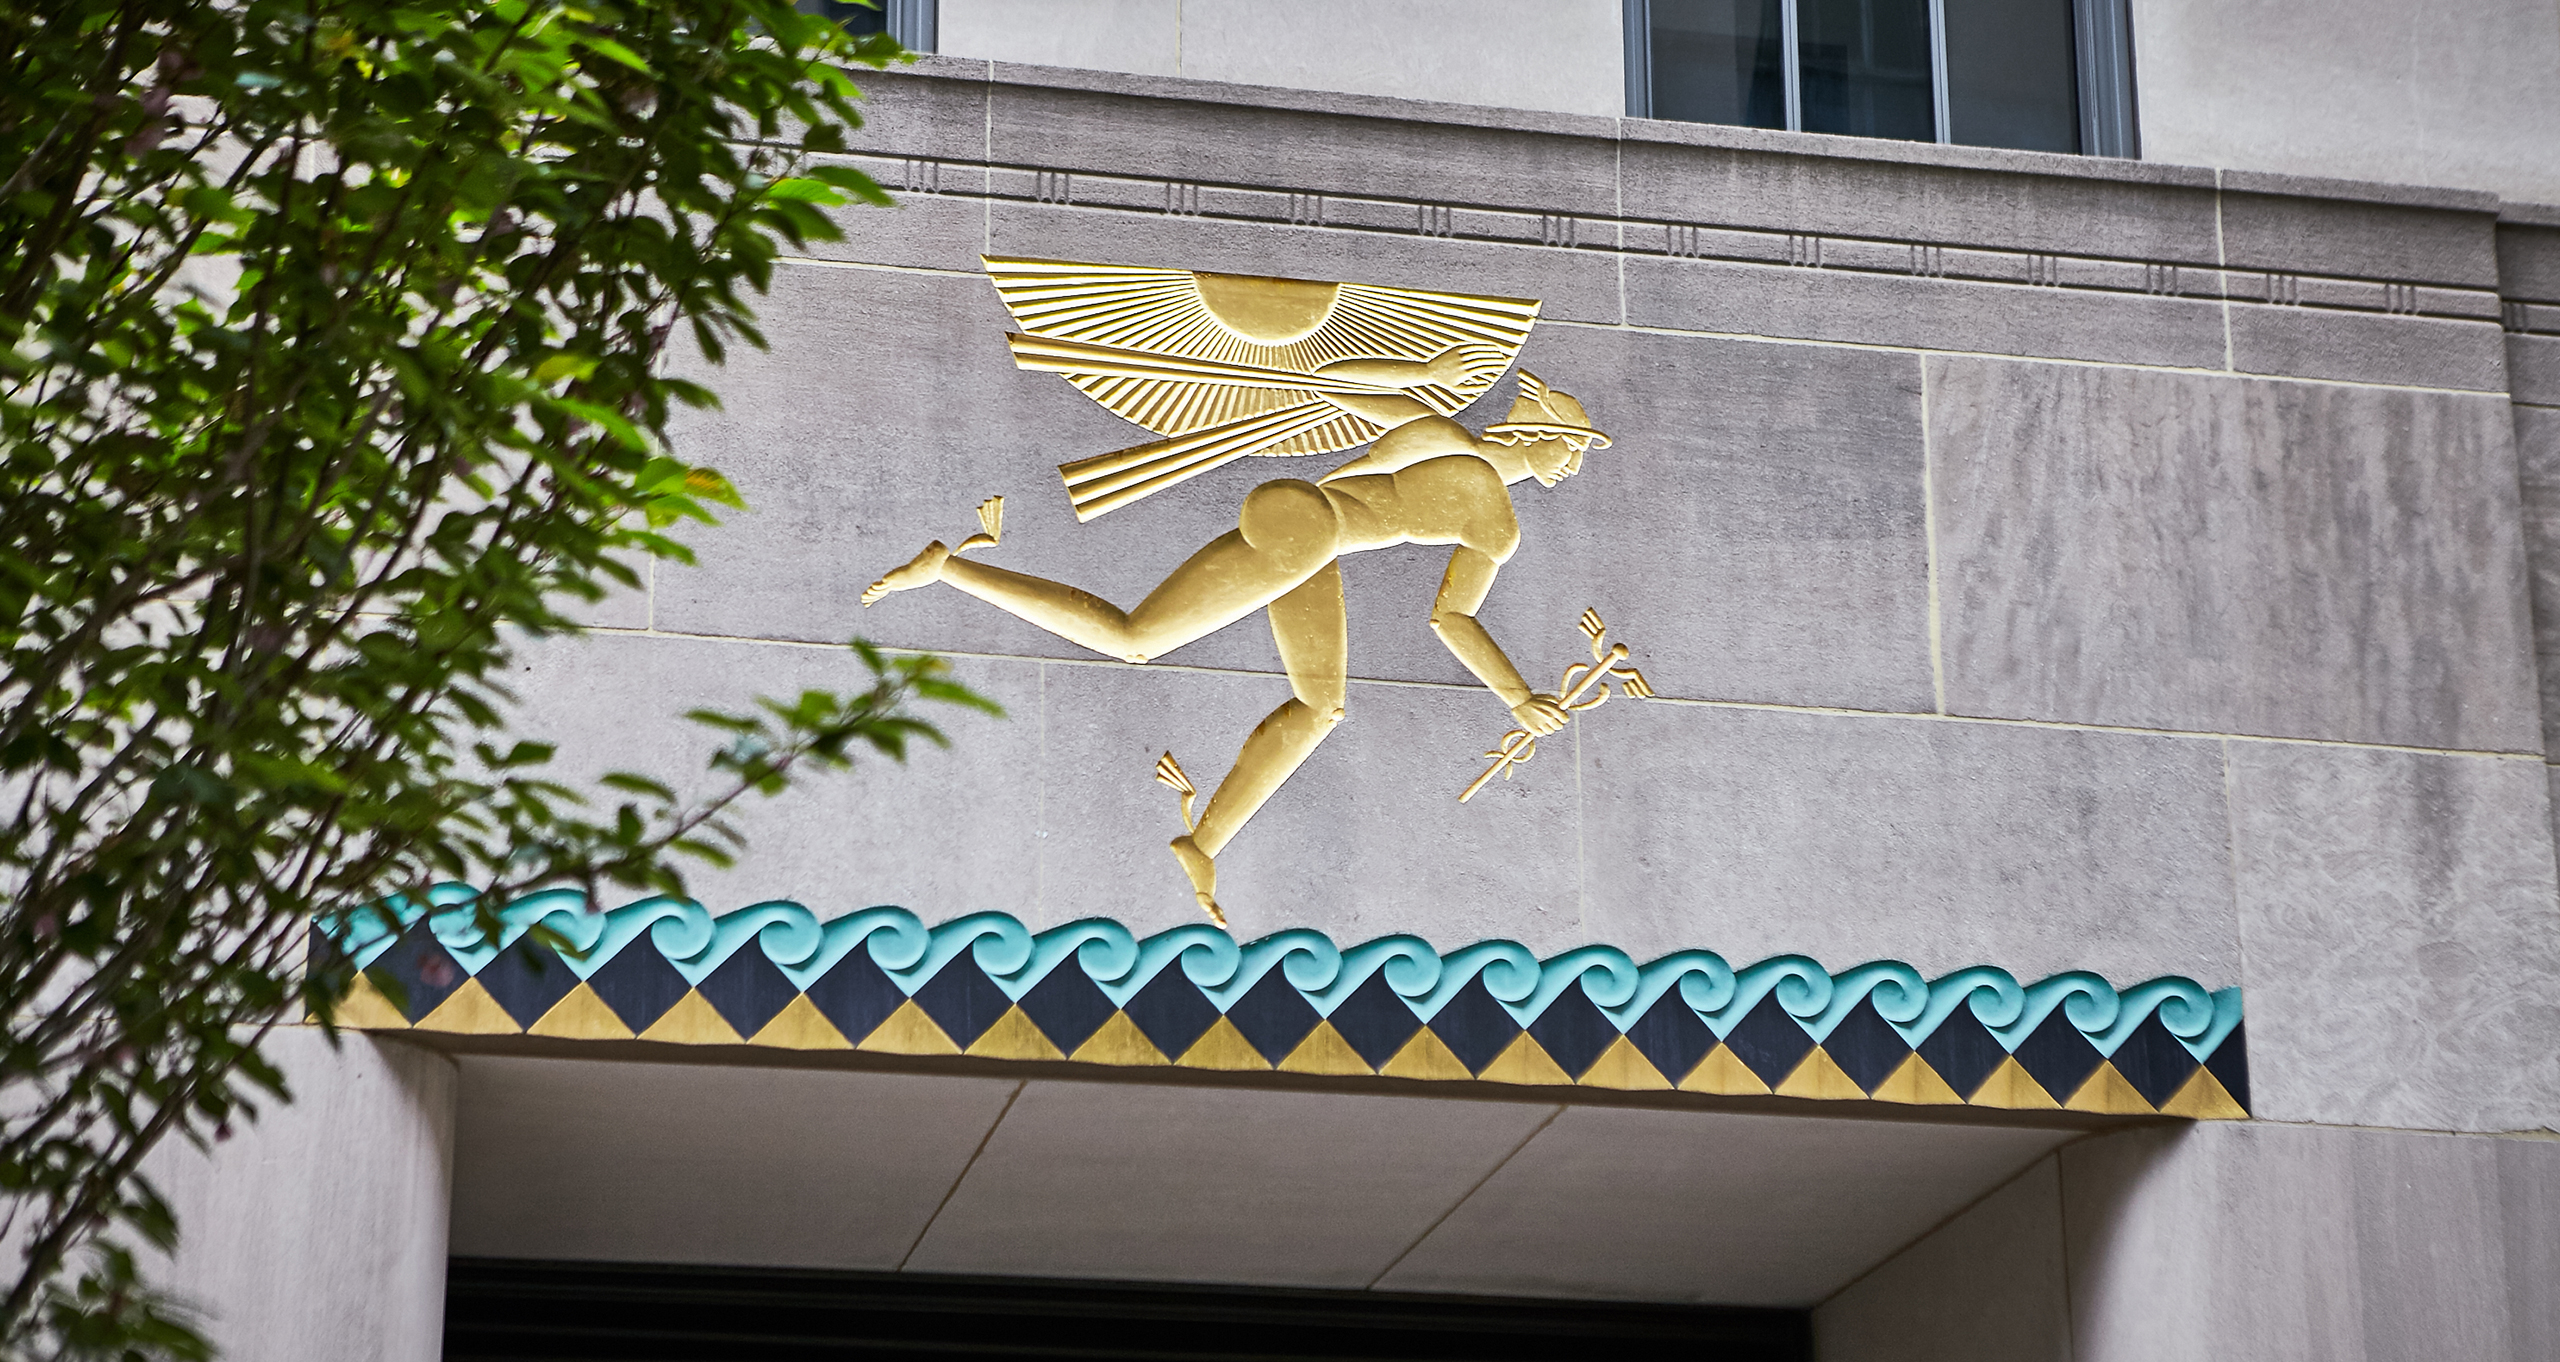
x=502, y=1310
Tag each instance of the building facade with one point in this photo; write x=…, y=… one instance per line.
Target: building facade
x=2082, y=884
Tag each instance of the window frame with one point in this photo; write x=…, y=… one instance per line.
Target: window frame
x=2102, y=42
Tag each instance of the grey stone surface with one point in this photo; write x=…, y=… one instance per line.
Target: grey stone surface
x=2366, y=347
x=2283, y=1243
x=1367, y=839
x=1948, y=205
x=2533, y=369
x=697, y=1163
x=2209, y=554
x=936, y=109
x=944, y=230
x=1686, y=1206
x=318, y=1232
x=2529, y=261
x=1572, y=285
x=2360, y=239
x=950, y=832
x=2402, y=937
x=1281, y=148
x=1754, y=533
x=1937, y=314
x=2538, y=467
x=1942, y=844
x=1210, y=1185
x=1987, y=1286
x=2348, y=88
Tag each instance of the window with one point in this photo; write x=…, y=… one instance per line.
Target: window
x=911, y=22
x=2035, y=75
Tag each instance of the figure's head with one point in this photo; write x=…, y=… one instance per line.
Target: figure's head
x=1547, y=430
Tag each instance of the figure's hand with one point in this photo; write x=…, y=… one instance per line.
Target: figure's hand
x=1540, y=714
x=1459, y=365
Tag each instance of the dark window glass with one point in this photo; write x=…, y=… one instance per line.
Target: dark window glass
x=1717, y=61
x=856, y=19
x=1866, y=68
x=2011, y=75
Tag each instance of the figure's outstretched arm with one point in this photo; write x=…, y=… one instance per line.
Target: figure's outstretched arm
x=1449, y=369
x=1453, y=617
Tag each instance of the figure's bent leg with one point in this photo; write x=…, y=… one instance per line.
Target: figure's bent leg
x=1076, y=615
x=1308, y=625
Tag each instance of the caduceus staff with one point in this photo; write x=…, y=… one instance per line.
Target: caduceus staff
x=1585, y=687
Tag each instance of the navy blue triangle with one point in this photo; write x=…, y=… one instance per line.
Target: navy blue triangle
x=962, y=1000
x=1272, y=1016
x=1670, y=1035
x=1171, y=1011
x=638, y=983
x=1374, y=1021
x=2230, y=1064
x=527, y=980
x=1865, y=1048
x=417, y=973
x=2057, y=1056
x=1474, y=1026
x=855, y=995
x=1066, y=1006
x=1769, y=1041
x=2153, y=1061
x=1963, y=1051
x=1572, y=1031
x=747, y=990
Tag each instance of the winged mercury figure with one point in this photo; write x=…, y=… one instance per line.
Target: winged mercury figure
x=1230, y=366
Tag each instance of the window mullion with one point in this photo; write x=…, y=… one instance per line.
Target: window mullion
x=1938, y=69
x=1792, y=64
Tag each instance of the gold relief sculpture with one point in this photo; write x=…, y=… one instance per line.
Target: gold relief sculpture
x=1585, y=687
x=1226, y=367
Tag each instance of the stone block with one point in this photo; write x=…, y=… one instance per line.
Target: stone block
x=1148, y=1183
x=2166, y=217
x=2365, y=236
x=2299, y=1244
x=2533, y=369
x=2185, y=552
x=942, y=228
x=1366, y=840
x=952, y=831
x=1587, y=1208
x=2368, y=347
x=1941, y=844
x=2402, y=937
x=1860, y=308
x=1989, y=1283
x=697, y=1163
x=1310, y=150
x=317, y=1233
x=1143, y=36
x=2529, y=261
x=2538, y=463
x=936, y=108
x=1577, y=64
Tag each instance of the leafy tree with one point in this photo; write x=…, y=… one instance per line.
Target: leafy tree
x=333, y=367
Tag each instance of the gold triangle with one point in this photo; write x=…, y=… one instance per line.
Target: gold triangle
x=1424, y=1056
x=1119, y=1042
x=1015, y=1036
x=580, y=1015
x=908, y=1031
x=2012, y=1088
x=801, y=1026
x=2108, y=1092
x=1624, y=1066
x=693, y=1021
x=2203, y=1098
x=1324, y=1051
x=1222, y=1046
x=470, y=1011
x=1821, y=1078
x=1723, y=1071
x=365, y=1007
x=1914, y=1083
x=1524, y=1060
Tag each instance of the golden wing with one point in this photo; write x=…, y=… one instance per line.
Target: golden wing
x=1225, y=365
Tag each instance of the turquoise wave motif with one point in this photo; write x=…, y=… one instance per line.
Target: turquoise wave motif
x=1120, y=963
